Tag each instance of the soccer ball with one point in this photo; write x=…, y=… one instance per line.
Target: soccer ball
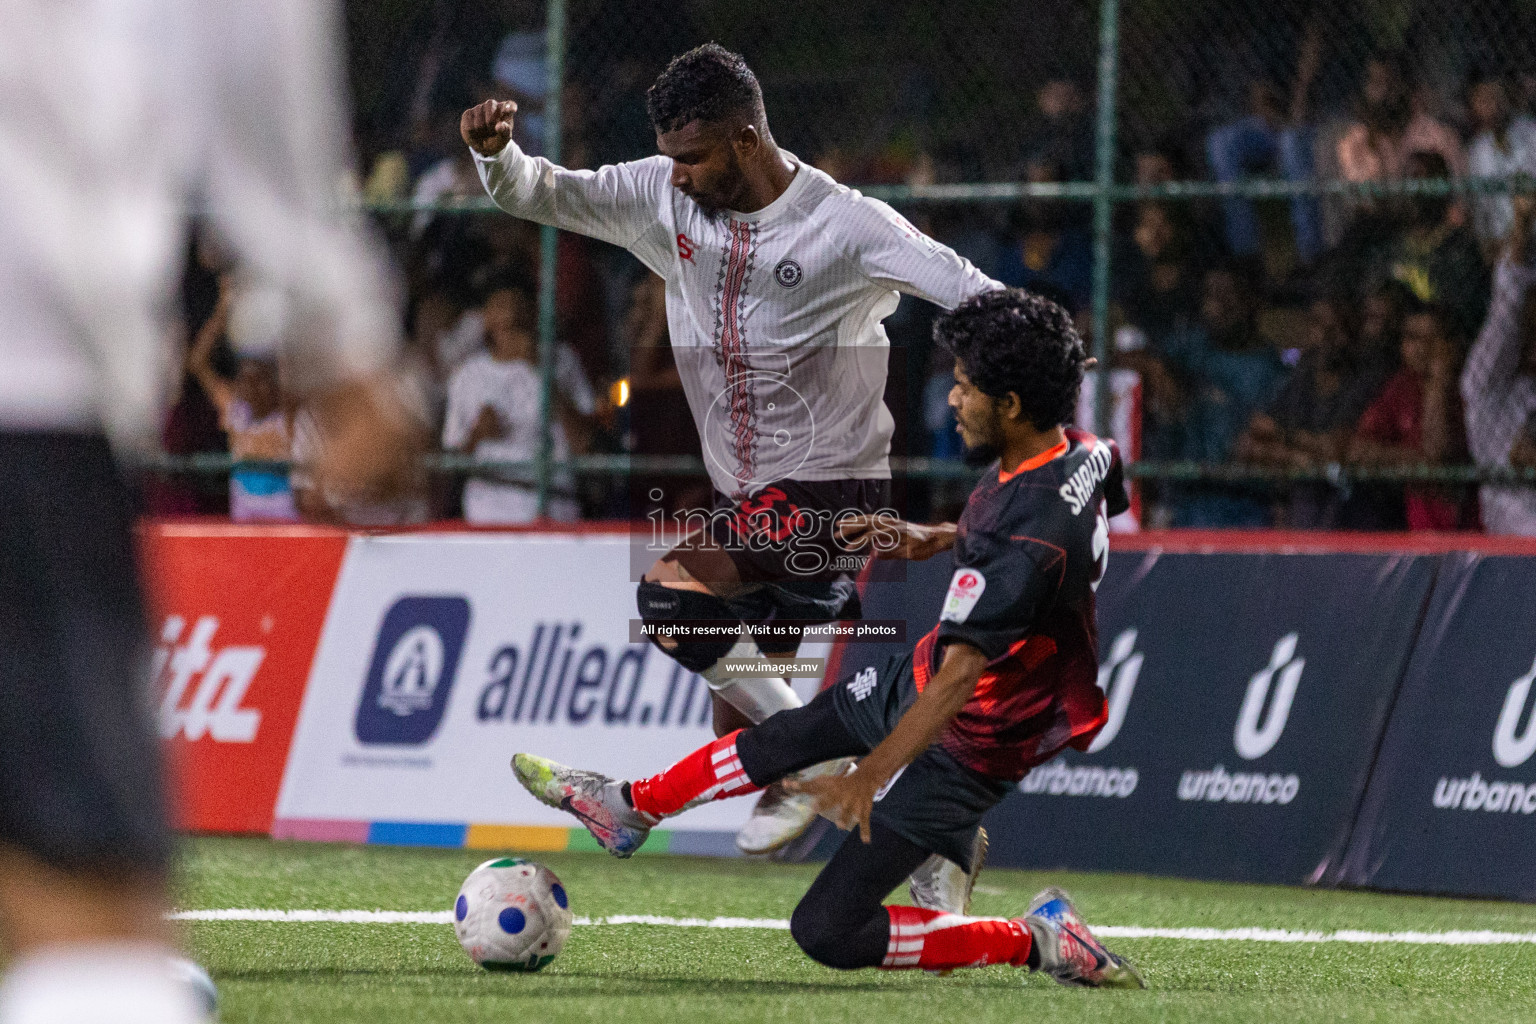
x=512, y=915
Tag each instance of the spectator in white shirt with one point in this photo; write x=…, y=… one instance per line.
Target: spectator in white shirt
x=1498, y=385
x=493, y=413
x=1505, y=145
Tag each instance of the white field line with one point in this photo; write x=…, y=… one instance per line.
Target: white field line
x=1453, y=938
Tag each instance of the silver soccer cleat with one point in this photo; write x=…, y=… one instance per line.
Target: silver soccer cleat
x=1069, y=952
x=781, y=817
x=940, y=884
x=596, y=800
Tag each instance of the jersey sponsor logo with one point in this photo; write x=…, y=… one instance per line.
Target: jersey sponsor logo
x=965, y=589
x=223, y=677
x=1252, y=739
x=685, y=247
x=1510, y=748
x=412, y=670
x=788, y=273
x=1078, y=490
x=863, y=684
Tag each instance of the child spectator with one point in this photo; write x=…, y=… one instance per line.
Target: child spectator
x=253, y=417
x=1499, y=383
x=1416, y=421
x=493, y=413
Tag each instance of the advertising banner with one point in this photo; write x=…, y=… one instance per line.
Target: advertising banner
x=1246, y=693
x=1452, y=804
x=237, y=619
x=443, y=655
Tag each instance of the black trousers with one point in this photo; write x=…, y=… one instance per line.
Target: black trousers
x=841, y=921
x=80, y=773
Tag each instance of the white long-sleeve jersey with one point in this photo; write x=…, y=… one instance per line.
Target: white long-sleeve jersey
x=115, y=117
x=775, y=316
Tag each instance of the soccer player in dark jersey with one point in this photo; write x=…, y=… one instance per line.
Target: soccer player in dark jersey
x=1005, y=681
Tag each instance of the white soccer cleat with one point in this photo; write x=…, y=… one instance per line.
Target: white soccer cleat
x=940, y=884
x=1069, y=952
x=596, y=800
x=781, y=817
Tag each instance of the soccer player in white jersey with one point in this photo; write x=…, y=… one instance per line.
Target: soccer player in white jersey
x=777, y=280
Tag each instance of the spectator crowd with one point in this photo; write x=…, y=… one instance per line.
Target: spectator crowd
x=1299, y=334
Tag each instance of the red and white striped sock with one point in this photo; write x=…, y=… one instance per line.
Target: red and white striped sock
x=932, y=940
x=713, y=772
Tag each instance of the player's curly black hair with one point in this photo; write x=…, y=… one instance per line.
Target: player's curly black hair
x=708, y=83
x=1011, y=340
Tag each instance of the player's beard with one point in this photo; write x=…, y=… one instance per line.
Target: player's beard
x=983, y=454
x=985, y=449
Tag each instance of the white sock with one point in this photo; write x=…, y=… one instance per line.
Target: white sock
x=117, y=982
x=757, y=697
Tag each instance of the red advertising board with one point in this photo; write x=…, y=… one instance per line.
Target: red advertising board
x=237, y=615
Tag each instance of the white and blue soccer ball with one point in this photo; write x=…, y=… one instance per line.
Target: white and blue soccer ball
x=512, y=915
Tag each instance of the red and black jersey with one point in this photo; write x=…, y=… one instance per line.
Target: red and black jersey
x=1031, y=547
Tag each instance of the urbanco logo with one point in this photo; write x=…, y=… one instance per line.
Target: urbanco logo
x=1117, y=678
x=1252, y=739
x=1510, y=748
x=412, y=670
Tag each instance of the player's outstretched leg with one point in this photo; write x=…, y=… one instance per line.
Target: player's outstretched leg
x=620, y=815
x=596, y=800
x=841, y=923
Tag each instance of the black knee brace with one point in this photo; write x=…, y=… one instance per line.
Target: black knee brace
x=667, y=606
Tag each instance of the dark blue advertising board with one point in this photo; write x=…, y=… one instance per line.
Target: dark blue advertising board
x=1452, y=804
x=1247, y=694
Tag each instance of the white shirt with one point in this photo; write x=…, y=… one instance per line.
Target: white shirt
x=774, y=316
x=1499, y=400
x=1492, y=215
x=114, y=114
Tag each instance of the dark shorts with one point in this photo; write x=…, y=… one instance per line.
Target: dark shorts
x=80, y=772
x=935, y=802
x=782, y=539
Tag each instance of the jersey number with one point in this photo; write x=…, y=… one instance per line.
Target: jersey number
x=1100, y=547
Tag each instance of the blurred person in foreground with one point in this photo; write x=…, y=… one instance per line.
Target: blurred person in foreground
x=1499, y=382
x=115, y=116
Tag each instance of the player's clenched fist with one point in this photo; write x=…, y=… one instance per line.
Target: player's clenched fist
x=487, y=128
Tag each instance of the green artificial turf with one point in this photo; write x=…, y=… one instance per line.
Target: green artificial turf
x=642, y=974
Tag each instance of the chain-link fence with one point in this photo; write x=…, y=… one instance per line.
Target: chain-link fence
x=1252, y=199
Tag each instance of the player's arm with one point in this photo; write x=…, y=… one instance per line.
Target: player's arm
x=200, y=356
x=894, y=538
x=893, y=253
x=617, y=203
x=848, y=800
